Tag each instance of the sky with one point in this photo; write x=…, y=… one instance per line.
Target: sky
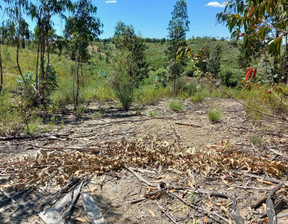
x=150, y=18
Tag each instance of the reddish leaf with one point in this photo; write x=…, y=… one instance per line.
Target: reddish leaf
x=242, y=35
x=248, y=74
x=251, y=11
x=254, y=74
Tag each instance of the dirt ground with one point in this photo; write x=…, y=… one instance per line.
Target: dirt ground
x=210, y=171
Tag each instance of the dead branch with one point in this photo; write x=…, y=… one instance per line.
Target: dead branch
x=168, y=215
x=21, y=137
x=264, y=198
x=271, y=211
x=7, y=195
x=69, y=148
x=93, y=212
x=75, y=197
x=210, y=214
x=273, y=180
x=236, y=216
x=139, y=177
x=192, y=125
x=14, y=196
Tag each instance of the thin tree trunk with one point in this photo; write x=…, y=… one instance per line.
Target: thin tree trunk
x=42, y=58
x=74, y=74
x=1, y=70
x=18, y=46
x=37, y=65
x=78, y=86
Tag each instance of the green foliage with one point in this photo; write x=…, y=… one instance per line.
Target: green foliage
x=125, y=39
x=153, y=113
x=256, y=139
x=214, y=115
x=178, y=26
x=176, y=106
x=175, y=73
x=122, y=79
x=213, y=64
x=263, y=25
x=199, y=96
x=151, y=94
x=228, y=79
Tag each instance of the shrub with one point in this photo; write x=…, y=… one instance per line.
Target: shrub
x=214, y=115
x=199, y=96
x=176, y=106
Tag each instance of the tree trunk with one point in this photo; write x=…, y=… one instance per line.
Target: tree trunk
x=1, y=71
x=74, y=75
x=78, y=85
x=37, y=65
x=18, y=47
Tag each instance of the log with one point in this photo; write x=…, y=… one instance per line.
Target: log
x=53, y=214
x=93, y=212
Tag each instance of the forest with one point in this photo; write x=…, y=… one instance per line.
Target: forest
x=130, y=129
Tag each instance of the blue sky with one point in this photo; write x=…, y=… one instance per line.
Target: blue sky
x=151, y=17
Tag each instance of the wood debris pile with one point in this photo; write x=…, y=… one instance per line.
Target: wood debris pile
x=57, y=167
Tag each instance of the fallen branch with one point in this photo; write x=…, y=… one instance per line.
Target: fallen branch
x=264, y=198
x=236, y=216
x=93, y=212
x=273, y=180
x=14, y=196
x=139, y=177
x=271, y=211
x=169, y=216
x=7, y=195
x=192, y=125
x=75, y=197
x=210, y=214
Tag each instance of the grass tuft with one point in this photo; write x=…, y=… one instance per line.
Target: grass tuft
x=214, y=115
x=176, y=106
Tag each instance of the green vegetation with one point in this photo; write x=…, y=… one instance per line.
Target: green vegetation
x=176, y=106
x=214, y=115
x=40, y=76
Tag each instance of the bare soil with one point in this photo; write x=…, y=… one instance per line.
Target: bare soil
x=193, y=168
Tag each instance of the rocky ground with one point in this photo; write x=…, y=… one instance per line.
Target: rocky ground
x=150, y=165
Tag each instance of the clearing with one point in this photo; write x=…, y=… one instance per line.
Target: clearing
x=148, y=165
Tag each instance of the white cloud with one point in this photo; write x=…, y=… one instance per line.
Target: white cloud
x=111, y=1
x=217, y=4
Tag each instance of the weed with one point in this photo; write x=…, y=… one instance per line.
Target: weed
x=256, y=139
x=176, y=106
x=199, y=96
x=153, y=113
x=214, y=115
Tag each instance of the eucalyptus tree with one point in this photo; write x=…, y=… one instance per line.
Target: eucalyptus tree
x=129, y=63
x=260, y=23
x=15, y=10
x=81, y=29
x=125, y=39
x=44, y=34
x=178, y=27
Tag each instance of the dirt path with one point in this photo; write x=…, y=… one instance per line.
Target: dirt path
x=188, y=133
